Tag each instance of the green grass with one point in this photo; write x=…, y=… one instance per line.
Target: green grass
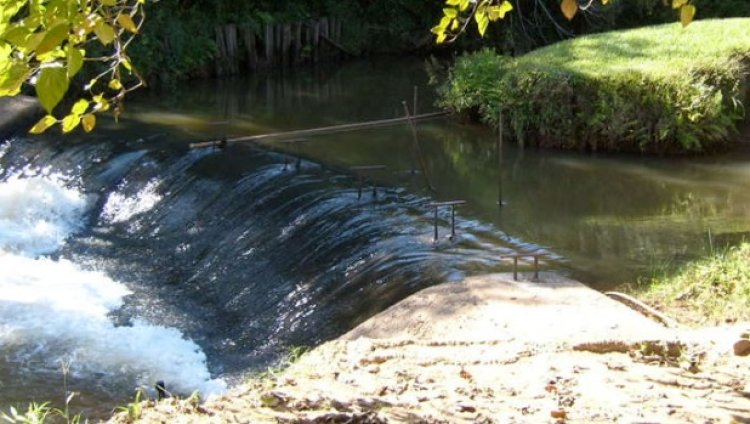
x=713, y=290
x=665, y=51
x=660, y=89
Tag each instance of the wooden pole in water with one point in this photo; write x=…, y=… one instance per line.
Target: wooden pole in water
x=499, y=150
x=417, y=149
x=416, y=100
x=323, y=130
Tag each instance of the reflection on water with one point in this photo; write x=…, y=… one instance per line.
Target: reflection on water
x=612, y=217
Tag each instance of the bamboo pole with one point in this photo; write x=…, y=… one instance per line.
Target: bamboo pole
x=326, y=130
x=417, y=150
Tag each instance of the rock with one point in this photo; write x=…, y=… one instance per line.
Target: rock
x=742, y=347
x=18, y=113
x=462, y=407
x=559, y=414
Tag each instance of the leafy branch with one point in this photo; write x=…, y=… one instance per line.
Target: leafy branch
x=45, y=43
x=460, y=13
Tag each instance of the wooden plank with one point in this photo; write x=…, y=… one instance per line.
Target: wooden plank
x=368, y=168
x=448, y=203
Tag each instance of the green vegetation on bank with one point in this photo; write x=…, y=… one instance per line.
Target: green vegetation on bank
x=713, y=290
x=660, y=89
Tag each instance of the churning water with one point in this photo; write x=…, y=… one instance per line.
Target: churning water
x=149, y=261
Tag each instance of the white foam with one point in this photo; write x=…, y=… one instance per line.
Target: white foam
x=120, y=208
x=58, y=307
x=58, y=310
x=38, y=213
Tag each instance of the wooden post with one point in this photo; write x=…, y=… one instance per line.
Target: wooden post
x=286, y=43
x=416, y=100
x=222, y=51
x=499, y=150
x=297, y=41
x=268, y=40
x=315, y=39
x=337, y=30
x=230, y=36
x=248, y=37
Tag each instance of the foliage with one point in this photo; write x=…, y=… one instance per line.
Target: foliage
x=176, y=42
x=46, y=43
x=458, y=15
x=35, y=414
x=134, y=409
x=708, y=291
x=658, y=89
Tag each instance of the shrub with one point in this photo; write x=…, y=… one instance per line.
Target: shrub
x=657, y=89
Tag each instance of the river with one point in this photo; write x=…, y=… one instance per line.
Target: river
x=132, y=258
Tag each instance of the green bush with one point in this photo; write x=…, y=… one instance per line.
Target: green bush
x=657, y=89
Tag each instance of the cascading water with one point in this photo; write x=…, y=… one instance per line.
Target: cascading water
x=153, y=262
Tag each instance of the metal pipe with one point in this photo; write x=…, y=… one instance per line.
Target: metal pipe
x=436, y=224
x=453, y=221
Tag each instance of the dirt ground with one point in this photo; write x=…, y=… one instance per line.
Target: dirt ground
x=491, y=350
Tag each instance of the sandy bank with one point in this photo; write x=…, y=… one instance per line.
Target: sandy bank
x=491, y=350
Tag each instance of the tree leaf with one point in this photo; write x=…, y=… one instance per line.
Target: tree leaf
x=115, y=84
x=453, y=2
x=9, y=10
x=108, y=2
x=498, y=12
x=51, y=87
x=569, y=8
x=75, y=59
x=450, y=12
x=80, y=107
x=126, y=22
x=12, y=77
x=104, y=32
x=463, y=5
x=687, y=13
x=482, y=22
x=70, y=122
x=52, y=38
x=16, y=35
x=88, y=122
x=676, y=4
x=101, y=103
x=43, y=124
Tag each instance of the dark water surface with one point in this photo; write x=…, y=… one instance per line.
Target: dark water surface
x=246, y=254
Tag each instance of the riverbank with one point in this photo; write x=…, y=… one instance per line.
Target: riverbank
x=662, y=89
x=708, y=291
x=489, y=349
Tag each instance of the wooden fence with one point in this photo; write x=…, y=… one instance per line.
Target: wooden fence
x=241, y=48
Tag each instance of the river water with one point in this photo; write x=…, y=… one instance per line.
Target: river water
x=132, y=259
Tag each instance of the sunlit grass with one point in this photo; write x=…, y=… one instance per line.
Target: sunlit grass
x=664, y=50
x=712, y=290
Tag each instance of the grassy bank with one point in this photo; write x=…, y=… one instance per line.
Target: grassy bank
x=713, y=290
x=660, y=89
